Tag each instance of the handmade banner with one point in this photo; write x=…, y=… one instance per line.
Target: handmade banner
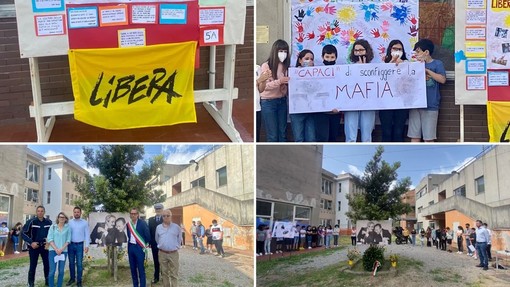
x=122, y=88
x=282, y=229
x=498, y=119
x=498, y=41
x=357, y=87
x=316, y=23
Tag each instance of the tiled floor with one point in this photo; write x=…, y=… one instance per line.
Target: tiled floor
x=67, y=129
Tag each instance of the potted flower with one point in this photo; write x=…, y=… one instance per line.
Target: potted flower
x=352, y=255
x=393, y=260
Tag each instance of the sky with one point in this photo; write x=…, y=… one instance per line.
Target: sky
x=416, y=161
x=174, y=154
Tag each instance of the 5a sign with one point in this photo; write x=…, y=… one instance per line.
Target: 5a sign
x=211, y=35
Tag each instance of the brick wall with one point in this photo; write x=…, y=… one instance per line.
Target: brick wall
x=16, y=89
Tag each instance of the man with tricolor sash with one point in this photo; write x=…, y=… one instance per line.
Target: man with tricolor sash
x=138, y=242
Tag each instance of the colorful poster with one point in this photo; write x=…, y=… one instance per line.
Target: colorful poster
x=318, y=23
x=498, y=39
x=47, y=5
x=82, y=17
x=113, y=15
x=283, y=229
x=498, y=118
x=50, y=25
x=475, y=83
x=476, y=66
x=119, y=88
x=143, y=14
x=357, y=87
x=173, y=13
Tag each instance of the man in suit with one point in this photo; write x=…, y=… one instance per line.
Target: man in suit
x=153, y=223
x=138, y=240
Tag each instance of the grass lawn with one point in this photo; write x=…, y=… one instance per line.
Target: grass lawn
x=14, y=262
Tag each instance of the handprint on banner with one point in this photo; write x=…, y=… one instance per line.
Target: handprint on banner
x=300, y=38
x=413, y=19
x=387, y=6
x=299, y=27
x=375, y=33
x=300, y=16
x=400, y=13
x=382, y=49
x=310, y=36
x=329, y=9
x=370, y=11
x=309, y=11
x=413, y=31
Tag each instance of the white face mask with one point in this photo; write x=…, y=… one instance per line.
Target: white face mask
x=306, y=63
x=282, y=56
x=397, y=54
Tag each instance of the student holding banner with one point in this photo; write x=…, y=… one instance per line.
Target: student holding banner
x=393, y=121
x=273, y=100
x=138, y=238
x=423, y=122
x=303, y=126
x=361, y=53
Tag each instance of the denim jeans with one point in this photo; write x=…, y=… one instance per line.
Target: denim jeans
x=201, y=244
x=303, y=127
x=467, y=246
x=392, y=124
x=75, y=253
x=267, y=246
x=481, y=249
x=15, y=240
x=327, y=126
x=274, y=115
x=53, y=267
x=309, y=241
x=365, y=120
x=328, y=240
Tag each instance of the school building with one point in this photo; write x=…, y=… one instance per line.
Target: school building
x=477, y=190
x=218, y=185
x=28, y=179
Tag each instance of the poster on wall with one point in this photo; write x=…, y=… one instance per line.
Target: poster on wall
x=282, y=229
x=108, y=228
x=373, y=232
x=498, y=39
x=318, y=23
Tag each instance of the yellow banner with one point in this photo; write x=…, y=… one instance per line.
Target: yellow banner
x=123, y=88
x=498, y=118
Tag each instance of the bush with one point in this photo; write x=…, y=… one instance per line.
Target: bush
x=373, y=253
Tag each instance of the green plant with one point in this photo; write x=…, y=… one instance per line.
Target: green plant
x=353, y=254
x=372, y=254
x=394, y=258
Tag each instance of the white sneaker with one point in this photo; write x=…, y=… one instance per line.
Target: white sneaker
x=475, y=257
x=309, y=247
x=16, y=252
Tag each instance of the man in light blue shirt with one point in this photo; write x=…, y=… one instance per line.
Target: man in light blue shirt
x=169, y=237
x=482, y=238
x=79, y=243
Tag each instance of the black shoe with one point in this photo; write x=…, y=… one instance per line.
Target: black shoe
x=78, y=284
x=154, y=281
x=479, y=265
x=485, y=268
x=70, y=282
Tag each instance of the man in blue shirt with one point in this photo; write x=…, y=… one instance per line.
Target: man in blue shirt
x=482, y=238
x=79, y=243
x=35, y=233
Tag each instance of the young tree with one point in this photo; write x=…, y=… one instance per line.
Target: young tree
x=118, y=187
x=380, y=199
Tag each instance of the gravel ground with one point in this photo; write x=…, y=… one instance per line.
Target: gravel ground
x=207, y=269
x=432, y=259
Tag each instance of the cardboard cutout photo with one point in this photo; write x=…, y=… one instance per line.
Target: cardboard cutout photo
x=108, y=229
x=373, y=231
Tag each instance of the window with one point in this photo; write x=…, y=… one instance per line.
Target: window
x=67, y=197
x=419, y=209
x=48, y=197
x=32, y=172
x=263, y=208
x=329, y=204
x=5, y=202
x=49, y=173
x=68, y=175
x=480, y=185
x=31, y=195
x=303, y=212
x=221, y=176
x=431, y=202
x=322, y=203
x=198, y=182
x=339, y=187
x=326, y=186
x=460, y=191
x=283, y=212
x=339, y=206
